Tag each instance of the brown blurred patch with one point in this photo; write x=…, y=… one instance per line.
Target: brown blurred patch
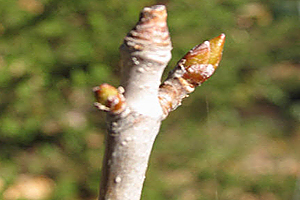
x=94, y=140
x=285, y=70
x=29, y=187
x=254, y=12
x=32, y=6
x=190, y=194
x=179, y=177
x=270, y=159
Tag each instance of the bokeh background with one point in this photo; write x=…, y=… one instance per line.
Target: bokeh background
x=236, y=138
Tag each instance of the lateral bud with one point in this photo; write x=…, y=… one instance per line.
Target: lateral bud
x=198, y=65
x=109, y=98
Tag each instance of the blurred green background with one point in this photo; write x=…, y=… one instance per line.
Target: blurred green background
x=236, y=138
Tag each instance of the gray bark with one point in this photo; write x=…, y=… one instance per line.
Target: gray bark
x=144, y=55
x=134, y=117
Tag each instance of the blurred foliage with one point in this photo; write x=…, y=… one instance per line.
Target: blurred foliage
x=236, y=138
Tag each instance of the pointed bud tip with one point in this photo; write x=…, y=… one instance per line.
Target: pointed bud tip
x=222, y=36
x=217, y=45
x=219, y=40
